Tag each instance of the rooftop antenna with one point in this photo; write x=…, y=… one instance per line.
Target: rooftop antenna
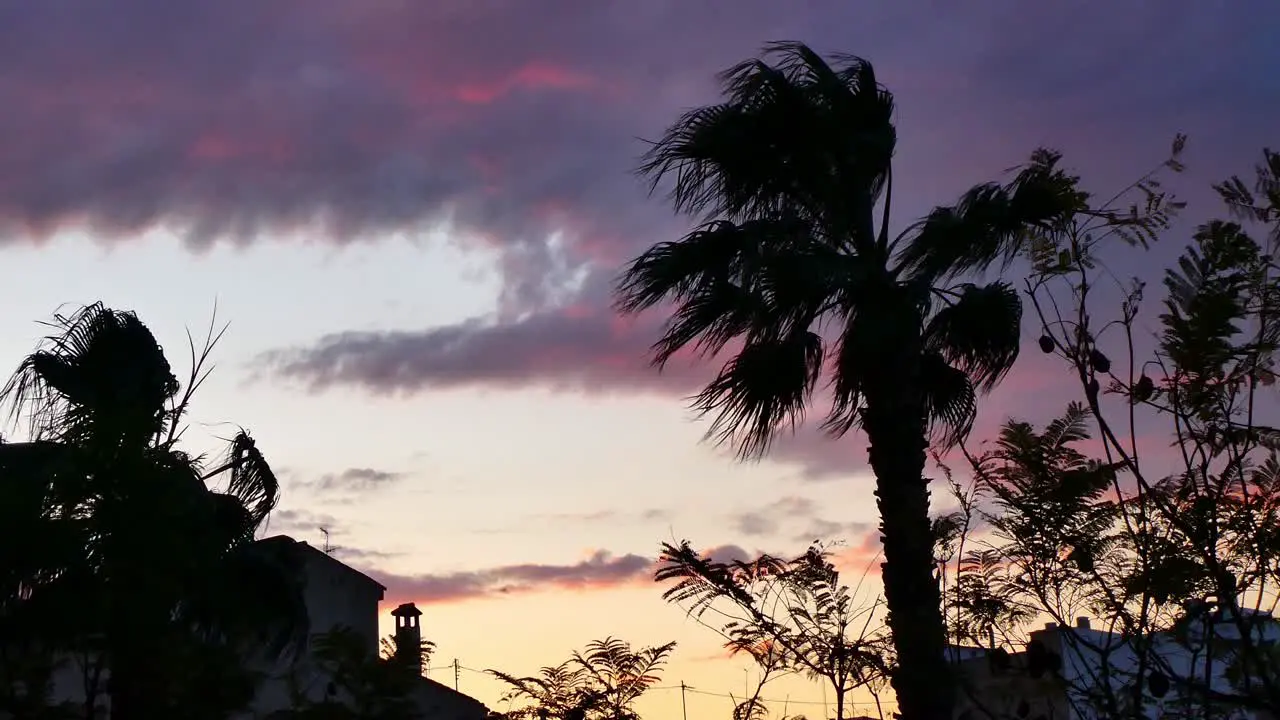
x=328, y=549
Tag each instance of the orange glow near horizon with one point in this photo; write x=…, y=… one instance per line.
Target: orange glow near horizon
x=520, y=635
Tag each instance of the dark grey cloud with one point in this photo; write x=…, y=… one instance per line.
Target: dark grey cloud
x=595, y=516
x=799, y=519
x=540, y=523
x=766, y=520
x=304, y=524
x=361, y=556
x=730, y=553
x=977, y=91
x=342, y=122
x=819, y=530
x=237, y=120
x=517, y=123
x=355, y=479
x=580, y=517
x=580, y=347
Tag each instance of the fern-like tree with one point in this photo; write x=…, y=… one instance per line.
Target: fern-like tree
x=787, y=615
x=135, y=550
x=601, y=683
x=797, y=271
x=1152, y=503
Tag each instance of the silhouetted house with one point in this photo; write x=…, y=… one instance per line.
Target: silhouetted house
x=1073, y=673
x=336, y=595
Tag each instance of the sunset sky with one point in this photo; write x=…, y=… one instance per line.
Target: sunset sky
x=411, y=214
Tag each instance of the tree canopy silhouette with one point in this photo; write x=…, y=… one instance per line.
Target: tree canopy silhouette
x=787, y=615
x=795, y=268
x=134, y=548
x=601, y=683
x=1151, y=502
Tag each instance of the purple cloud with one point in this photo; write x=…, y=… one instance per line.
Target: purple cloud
x=576, y=348
x=538, y=523
x=517, y=123
x=514, y=120
x=783, y=516
x=601, y=570
x=820, y=530
x=304, y=524
x=765, y=520
x=983, y=93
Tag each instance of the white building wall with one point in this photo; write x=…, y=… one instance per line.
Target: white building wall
x=1083, y=651
x=335, y=595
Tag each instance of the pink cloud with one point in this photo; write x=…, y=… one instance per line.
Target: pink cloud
x=576, y=349
x=600, y=570
x=531, y=77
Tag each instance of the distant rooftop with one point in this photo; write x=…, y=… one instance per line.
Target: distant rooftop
x=312, y=551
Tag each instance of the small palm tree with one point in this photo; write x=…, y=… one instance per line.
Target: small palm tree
x=131, y=546
x=601, y=684
x=796, y=269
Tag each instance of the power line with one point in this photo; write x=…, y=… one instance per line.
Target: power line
x=775, y=700
x=707, y=693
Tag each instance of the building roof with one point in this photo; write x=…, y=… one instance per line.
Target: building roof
x=439, y=688
x=406, y=610
x=313, y=552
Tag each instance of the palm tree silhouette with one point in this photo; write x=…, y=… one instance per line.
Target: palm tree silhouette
x=788, y=172
x=130, y=549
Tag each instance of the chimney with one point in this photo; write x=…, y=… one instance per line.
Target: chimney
x=1051, y=626
x=409, y=636
x=1082, y=623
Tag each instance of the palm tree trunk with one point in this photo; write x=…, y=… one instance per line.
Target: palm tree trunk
x=895, y=425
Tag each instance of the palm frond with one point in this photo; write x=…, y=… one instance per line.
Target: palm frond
x=716, y=252
x=991, y=223
x=949, y=399
x=757, y=279
x=101, y=374
x=251, y=480
x=198, y=373
x=766, y=386
x=979, y=332
x=827, y=130
x=862, y=334
x=715, y=275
